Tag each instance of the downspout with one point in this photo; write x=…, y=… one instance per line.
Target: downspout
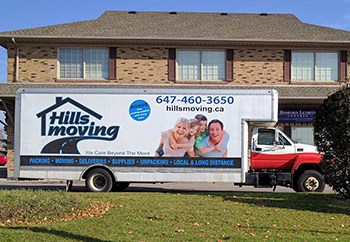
x=17, y=59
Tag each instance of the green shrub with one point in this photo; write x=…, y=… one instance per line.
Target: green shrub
x=332, y=137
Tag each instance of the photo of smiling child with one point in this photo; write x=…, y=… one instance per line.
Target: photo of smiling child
x=193, y=130
x=193, y=138
x=202, y=147
x=215, y=143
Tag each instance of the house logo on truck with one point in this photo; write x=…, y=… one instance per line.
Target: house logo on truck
x=72, y=127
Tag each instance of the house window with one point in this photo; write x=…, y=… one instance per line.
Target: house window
x=315, y=66
x=200, y=65
x=83, y=63
x=71, y=63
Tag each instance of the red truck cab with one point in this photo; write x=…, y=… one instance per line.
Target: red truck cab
x=278, y=160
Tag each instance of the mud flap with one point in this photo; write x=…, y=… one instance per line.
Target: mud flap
x=3, y=172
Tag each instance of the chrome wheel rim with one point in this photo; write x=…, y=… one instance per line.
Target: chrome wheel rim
x=311, y=183
x=98, y=182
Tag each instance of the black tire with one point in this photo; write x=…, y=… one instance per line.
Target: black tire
x=311, y=181
x=99, y=180
x=295, y=186
x=120, y=186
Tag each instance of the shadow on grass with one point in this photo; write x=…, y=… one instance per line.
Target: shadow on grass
x=296, y=230
x=59, y=233
x=316, y=202
x=40, y=186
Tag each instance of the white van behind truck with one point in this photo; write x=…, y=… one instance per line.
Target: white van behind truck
x=113, y=137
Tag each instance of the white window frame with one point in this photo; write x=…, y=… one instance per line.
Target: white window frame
x=201, y=75
x=314, y=76
x=84, y=60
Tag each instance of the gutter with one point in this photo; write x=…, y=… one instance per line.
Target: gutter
x=17, y=59
x=172, y=39
x=153, y=38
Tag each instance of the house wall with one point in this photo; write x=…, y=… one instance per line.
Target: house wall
x=142, y=65
x=258, y=66
x=39, y=64
x=348, y=66
x=145, y=65
x=10, y=140
x=148, y=65
x=36, y=64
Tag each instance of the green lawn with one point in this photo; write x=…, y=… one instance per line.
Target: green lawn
x=231, y=216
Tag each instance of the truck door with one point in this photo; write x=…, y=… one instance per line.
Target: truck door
x=271, y=150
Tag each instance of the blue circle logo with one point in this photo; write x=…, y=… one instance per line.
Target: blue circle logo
x=139, y=110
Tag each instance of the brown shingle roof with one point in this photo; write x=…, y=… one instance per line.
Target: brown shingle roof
x=187, y=26
x=285, y=92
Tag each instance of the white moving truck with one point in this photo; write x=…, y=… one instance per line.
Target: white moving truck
x=112, y=137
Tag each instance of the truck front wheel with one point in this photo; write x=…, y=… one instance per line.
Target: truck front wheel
x=311, y=181
x=99, y=180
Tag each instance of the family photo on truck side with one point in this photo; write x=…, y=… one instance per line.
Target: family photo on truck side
x=194, y=138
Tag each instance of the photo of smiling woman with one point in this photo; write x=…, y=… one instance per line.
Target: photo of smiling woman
x=180, y=136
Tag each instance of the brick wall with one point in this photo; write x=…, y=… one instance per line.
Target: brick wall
x=36, y=64
x=149, y=65
x=142, y=65
x=258, y=66
x=39, y=64
x=348, y=66
x=10, y=141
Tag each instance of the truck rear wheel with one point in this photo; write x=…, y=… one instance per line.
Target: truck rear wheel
x=99, y=180
x=311, y=181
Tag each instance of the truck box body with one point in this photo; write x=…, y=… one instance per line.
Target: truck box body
x=61, y=133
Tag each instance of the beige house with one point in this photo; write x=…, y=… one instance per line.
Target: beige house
x=121, y=49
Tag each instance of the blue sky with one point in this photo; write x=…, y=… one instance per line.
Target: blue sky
x=22, y=14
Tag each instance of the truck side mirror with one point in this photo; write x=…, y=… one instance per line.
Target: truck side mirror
x=254, y=143
x=276, y=142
